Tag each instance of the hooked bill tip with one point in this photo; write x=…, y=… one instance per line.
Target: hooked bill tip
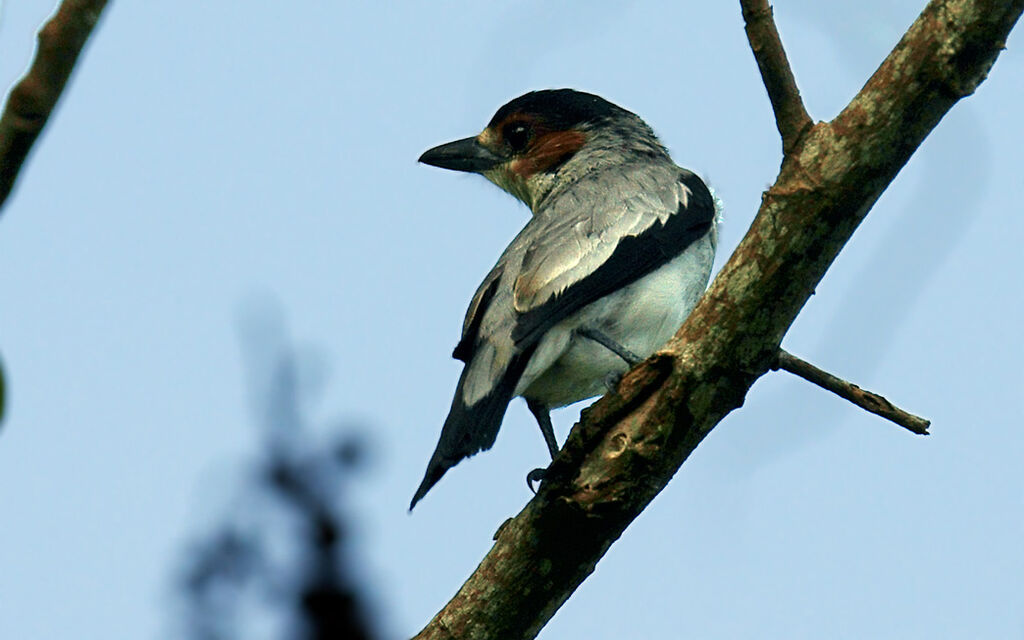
x=462, y=155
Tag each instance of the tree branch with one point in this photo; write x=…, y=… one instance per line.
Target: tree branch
x=790, y=115
x=866, y=400
x=630, y=443
x=31, y=101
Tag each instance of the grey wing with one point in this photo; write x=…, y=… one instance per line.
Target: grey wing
x=602, y=235
x=477, y=308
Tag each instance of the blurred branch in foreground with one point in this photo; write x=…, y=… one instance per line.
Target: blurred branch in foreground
x=31, y=101
x=279, y=565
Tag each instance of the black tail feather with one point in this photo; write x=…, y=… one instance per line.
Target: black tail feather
x=470, y=429
x=435, y=469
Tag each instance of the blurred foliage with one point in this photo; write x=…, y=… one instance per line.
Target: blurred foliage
x=279, y=564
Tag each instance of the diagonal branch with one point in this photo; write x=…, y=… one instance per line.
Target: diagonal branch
x=864, y=399
x=32, y=100
x=790, y=115
x=629, y=444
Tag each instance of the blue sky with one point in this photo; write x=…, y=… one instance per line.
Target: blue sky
x=204, y=158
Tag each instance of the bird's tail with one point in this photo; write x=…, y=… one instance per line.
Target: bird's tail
x=469, y=429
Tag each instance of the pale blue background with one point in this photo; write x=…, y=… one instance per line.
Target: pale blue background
x=208, y=153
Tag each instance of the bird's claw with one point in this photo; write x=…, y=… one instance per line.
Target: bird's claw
x=537, y=475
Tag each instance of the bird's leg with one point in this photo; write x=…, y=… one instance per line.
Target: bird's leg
x=593, y=334
x=540, y=412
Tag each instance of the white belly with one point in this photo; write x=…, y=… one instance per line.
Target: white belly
x=641, y=317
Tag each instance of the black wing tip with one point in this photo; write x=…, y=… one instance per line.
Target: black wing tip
x=467, y=345
x=469, y=429
x=416, y=498
x=705, y=201
x=463, y=351
x=435, y=470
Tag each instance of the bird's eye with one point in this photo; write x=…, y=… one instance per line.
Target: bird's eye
x=516, y=134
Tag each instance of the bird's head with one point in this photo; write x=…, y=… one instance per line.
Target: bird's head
x=546, y=139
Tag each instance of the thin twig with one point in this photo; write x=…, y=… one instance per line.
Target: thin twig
x=32, y=100
x=790, y=115
x=872, y=402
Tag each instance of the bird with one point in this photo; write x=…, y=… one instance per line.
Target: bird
x=616, y=254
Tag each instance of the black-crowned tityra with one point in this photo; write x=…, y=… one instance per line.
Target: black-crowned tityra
x=617, y=253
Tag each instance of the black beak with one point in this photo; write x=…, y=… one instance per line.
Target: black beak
x=462, y=155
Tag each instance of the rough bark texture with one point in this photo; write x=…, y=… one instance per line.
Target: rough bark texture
x=629, y=444
x=32, y=100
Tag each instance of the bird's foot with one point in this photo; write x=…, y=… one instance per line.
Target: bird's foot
x=537, y=475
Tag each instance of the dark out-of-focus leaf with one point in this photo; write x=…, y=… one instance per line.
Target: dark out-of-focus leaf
x=284, y=552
